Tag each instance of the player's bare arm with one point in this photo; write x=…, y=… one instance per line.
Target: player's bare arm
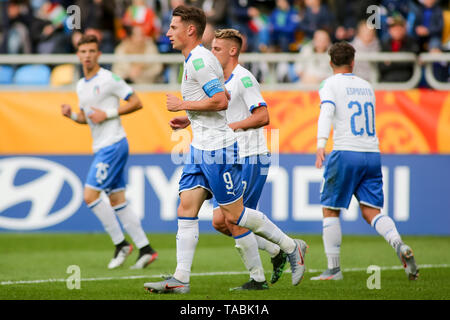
x=133, y=104
x=79, y=117
x=259, y=118
x=217, y=102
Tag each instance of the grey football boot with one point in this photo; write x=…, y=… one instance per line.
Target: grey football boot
x=330, y=274
x=170, y=285
x=406, y=256
x=297, y=261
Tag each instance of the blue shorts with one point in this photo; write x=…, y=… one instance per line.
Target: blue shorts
x=350, y=173
x=217, y=171
x=107, y=170
x=254, y=175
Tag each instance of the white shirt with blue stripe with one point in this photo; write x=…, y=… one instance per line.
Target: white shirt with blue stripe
x=351, y=102
x=245, y=97
x=202, y=78
x=103, y=91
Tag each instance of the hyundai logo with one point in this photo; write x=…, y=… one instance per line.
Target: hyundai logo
x=42, y=192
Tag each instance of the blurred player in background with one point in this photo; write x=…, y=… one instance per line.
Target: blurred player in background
x=212, y=167
x=354, y=166
x=99, y=94
x=246, y=115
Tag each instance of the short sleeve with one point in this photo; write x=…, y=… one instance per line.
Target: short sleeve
x=207, y=76
x=251, y=92
x=120, y=88
x=326, y=93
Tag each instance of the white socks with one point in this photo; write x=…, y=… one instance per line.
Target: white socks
x=332, y=236
x=332, y=239
x=187, y=239
x=385, y=226
x=248, y=250
x=107, y=217
x=271, y=248
x=257, y=222
x=131, y=224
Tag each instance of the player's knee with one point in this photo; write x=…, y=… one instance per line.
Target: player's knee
x=90, y=197
x=185, y=211
x=219, y=224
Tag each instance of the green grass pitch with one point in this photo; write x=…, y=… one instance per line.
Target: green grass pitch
x=34, y=266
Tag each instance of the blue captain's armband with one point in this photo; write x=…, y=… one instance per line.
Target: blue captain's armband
x=213, y=87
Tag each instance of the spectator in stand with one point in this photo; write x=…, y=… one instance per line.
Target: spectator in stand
x=314, y=70
x=345, y=14
x=163, y=42
x=141, y=15
x=16, y=32
x=242, y=14
x=97, y=17
x=428, y=25
x=215, y=11
x=365, y=41
x=391, y=8
x=317, y=16
x=399, y=41
x=284, y=22
x=136, y=72
x=49, y=34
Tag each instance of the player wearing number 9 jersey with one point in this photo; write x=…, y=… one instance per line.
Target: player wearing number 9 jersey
x=212, y=167
x=347, y=103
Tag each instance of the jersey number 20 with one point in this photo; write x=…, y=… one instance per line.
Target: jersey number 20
x=369, y=125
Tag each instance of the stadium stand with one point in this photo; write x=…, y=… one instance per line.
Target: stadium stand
x=63, y=74
x=37, y=74
x=6, y=74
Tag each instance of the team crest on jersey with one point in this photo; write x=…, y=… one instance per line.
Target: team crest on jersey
x=97, y=90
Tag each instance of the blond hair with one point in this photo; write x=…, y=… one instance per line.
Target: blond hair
x=230, y=34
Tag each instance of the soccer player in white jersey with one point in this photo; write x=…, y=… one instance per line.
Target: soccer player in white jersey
x=212, y=166
x=246, y=115
x=347, y=103
x=99, y=94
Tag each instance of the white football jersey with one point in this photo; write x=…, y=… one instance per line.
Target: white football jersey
x=103, y=91
x=245, y=96
x=202, y=78
x=353, y=99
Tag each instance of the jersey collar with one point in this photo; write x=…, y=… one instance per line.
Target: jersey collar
x=228, y=80
x=190, y=53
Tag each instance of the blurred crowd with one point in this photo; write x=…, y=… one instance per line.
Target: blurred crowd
x=305, y=27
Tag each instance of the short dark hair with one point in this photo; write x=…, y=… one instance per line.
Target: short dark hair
x=342, y=54
x=194, y=15
x=230, y=34
x=90, y=38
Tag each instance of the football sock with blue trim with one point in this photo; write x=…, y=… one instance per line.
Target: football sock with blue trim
x=187, y=239
x=131, y=224
x=385, y=226
x=248, y=250
x=106, y=215
x=332, y=239
x=271, y=248
x=261, y=225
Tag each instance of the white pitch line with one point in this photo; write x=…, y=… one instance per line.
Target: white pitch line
x=206, y=274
